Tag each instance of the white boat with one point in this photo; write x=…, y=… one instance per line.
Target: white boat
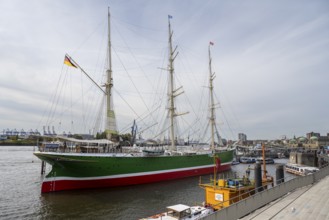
x=181, y=212
x=300, y=169
x=247, y=160
x=267, y=160
x=153, y=151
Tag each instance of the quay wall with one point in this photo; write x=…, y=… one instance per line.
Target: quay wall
x=254, y=202
x=308, y=159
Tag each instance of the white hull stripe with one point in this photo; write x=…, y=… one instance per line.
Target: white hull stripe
x=49, y=179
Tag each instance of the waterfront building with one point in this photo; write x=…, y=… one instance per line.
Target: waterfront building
x=312, y=134
x=312, y=141
x=242, y=138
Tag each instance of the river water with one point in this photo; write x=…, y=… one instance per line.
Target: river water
x=21, y=198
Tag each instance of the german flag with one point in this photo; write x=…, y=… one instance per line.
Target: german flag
x=68, y=62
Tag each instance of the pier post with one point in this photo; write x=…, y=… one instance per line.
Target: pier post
x=43, y=167
x=279, y=174
x=258, y=177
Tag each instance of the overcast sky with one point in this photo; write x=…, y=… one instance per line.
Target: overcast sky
x=271, y=60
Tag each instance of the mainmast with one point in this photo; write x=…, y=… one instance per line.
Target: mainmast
x=110, y=127
x=212, y=106
x=172, y=92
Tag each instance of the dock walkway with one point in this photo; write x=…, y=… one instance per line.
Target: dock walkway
x=309, y=202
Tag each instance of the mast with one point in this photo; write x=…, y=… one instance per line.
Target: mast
x=171, y=89
x=172, y=92
x=212, y=106
x=110, y=127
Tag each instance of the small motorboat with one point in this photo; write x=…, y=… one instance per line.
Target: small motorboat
x=267, y=160
x=182, y=212
x=247, y=160
x=300, y=169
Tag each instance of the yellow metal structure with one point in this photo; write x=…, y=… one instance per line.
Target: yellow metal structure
x=223, y=193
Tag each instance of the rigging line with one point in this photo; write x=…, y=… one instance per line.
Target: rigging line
x=53, y=97
x=230, y=128
x=100, y=65
x=233, y=113
x=163, y=131
x=162, y=122
x=139, y=26
x=186, y=65
x=134, y=85
x=141, y=118
x=97, y=124
x=150, y=83
x=83, y=71
x=225, y=117
x=89, y=36
x=127, y=104
x=189, y=126
x=188, y=100
x=71, y=106
x=195, y=16
x=92, y=101
x=63, y=103
x=149, y=37
x=203, y=94
x=160, y=90
x=83, y=104
x=57, y=98
x=89, y=111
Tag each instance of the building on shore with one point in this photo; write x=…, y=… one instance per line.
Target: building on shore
x=242, y=138
x=311, y=141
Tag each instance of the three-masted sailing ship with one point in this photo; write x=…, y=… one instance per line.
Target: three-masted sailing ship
x=102, y=168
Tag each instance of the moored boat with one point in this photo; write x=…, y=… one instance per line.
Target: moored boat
x=267, y=160
x=101, y=163
x=182, y=212
x=302, y=163
x=247, y=160
x=300, y=169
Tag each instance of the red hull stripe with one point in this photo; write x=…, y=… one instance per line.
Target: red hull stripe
x=59, y=185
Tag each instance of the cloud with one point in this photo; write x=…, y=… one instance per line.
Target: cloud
x=270, y=59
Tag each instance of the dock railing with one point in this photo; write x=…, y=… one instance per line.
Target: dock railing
x=256, y=201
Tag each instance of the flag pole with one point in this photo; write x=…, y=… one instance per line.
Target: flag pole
x=76, y=64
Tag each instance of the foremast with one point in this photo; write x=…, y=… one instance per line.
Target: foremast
x=110, y=126
x=172, y=91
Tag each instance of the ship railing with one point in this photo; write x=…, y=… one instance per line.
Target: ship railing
x=76, y=148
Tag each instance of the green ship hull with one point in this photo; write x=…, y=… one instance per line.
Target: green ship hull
x=84, y=170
